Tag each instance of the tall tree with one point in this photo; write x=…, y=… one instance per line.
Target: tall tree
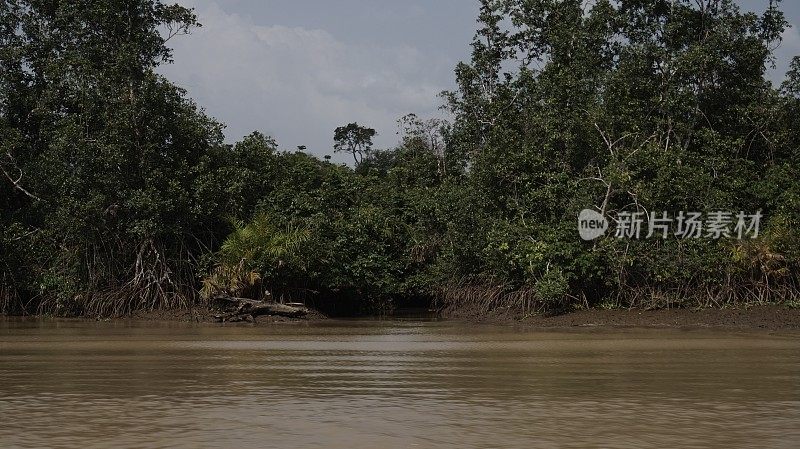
x=102, y=152
x=354, y=139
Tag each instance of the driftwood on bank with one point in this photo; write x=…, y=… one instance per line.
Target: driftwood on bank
x=233, y=309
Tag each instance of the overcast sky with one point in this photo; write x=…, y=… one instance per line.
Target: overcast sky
x=297, y=69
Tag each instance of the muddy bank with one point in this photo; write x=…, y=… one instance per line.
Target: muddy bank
x=770, y=317
x=207, y=315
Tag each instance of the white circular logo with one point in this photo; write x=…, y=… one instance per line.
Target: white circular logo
x=591, y=224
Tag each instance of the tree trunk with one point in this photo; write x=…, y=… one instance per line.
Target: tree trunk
x=245, y=309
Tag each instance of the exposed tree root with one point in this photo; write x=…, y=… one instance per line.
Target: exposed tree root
x=233, y=309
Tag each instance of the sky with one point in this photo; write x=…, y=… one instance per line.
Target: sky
x=297, y=69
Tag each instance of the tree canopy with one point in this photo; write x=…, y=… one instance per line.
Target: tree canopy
x=117, y=193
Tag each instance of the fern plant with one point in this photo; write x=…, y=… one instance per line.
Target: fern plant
x=252, y=255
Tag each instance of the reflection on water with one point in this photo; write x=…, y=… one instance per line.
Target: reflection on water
x=393, y=384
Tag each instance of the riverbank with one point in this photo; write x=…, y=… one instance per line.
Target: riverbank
x=768, y=317
x=771, y=317
x=207, y=315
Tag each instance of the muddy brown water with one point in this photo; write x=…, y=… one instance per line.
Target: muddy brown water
x=393, y=384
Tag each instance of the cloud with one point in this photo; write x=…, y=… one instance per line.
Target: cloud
x=789, y=48
x=371, y=64
x=297, y=84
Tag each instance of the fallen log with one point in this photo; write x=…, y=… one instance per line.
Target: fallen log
x=245, y=309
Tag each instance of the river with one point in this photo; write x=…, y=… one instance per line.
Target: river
x=393, y=384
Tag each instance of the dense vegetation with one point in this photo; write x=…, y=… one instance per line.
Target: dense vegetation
x=118, y=193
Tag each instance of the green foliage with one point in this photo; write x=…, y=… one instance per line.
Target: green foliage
x=103, y=152
x=115, y=186
x=553, y=287
x=354, y=139
x=631, y=106
x=232, y=280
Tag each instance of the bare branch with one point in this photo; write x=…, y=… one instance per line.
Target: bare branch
x=16, y=182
